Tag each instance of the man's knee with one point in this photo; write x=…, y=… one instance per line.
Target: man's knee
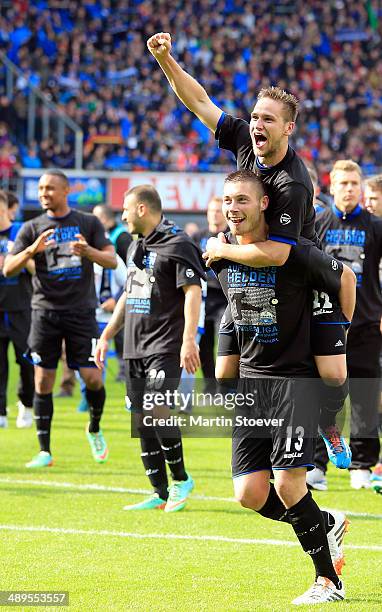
x=92, y=378
x=250, y=495
x=291, y=486
x=332, y=369
x=44, y=380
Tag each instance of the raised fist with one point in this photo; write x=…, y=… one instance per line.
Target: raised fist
x=159, y=44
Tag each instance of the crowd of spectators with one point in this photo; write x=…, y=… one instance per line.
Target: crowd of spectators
x=90, y=58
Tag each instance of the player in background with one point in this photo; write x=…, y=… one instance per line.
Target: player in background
x=64, y=244
x=373, y=203
x=273, y=339
x=262, y=145
x=320, y=201
x=109, y=285
x=159, y=311
x=117, y=233
x=354, y=236
x=216, y=302
x=13, y=206
x=191, y=228
x=120, y=238
x=372, y=195
x=15, y=317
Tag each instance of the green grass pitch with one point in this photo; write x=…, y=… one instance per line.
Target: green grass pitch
x=59, y=534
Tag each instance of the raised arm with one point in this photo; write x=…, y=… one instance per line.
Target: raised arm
x=188, y=90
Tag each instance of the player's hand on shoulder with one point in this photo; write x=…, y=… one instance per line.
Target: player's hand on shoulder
x=189, y=356
x=159, y=44
x=79, y=247
x=42, y=242
x=213, y=250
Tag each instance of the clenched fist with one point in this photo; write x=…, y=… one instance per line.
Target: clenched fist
x=159, y=45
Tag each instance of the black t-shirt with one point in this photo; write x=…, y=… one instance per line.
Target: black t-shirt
x=356, y=239
x=15, y=291
x=63, y=281
x=215, y=297
x=290, y=212
x=272, y=308
x=154, y=313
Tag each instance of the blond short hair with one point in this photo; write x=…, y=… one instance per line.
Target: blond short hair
x=288, y=100
x=375, y=182
x=345, y=165
x=217, y=199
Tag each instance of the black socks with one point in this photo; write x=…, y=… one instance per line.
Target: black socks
x=274, y=508
x=159, y=446
x=43, y=411
x=96, y=401
x=309, y=526
x=332, y=401
x=171, y=444
x=153, y=461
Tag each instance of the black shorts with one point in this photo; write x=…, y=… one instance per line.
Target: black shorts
x=280, y=430
x=151, y=379
x=328, y=326
x=50, y=327
x=227, y=339
x=328, y=339
x=327, y=336
x=15, y=326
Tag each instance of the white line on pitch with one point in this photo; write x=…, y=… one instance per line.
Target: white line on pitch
x=165, y=536
x=97, y=487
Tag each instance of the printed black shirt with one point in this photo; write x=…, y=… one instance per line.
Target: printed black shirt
x=356, y=239
x=288, y=184
x=154, y=312
x=272, y=308
x=63, y=281
x=15, y=291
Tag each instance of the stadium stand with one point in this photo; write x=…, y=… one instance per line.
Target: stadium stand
x=90, y=58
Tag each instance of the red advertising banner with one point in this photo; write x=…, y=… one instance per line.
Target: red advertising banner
x=179, y=192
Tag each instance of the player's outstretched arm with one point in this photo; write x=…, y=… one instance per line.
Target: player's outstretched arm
x=13, y=264
x=111, y=329
x=188, y=90
x=347, y=293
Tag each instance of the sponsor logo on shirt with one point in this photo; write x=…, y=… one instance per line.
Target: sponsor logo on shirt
x=285, y=219
x=251, y=294
x=334, y=264
x=190, y=273
x=61, y=263
x=339, y=343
